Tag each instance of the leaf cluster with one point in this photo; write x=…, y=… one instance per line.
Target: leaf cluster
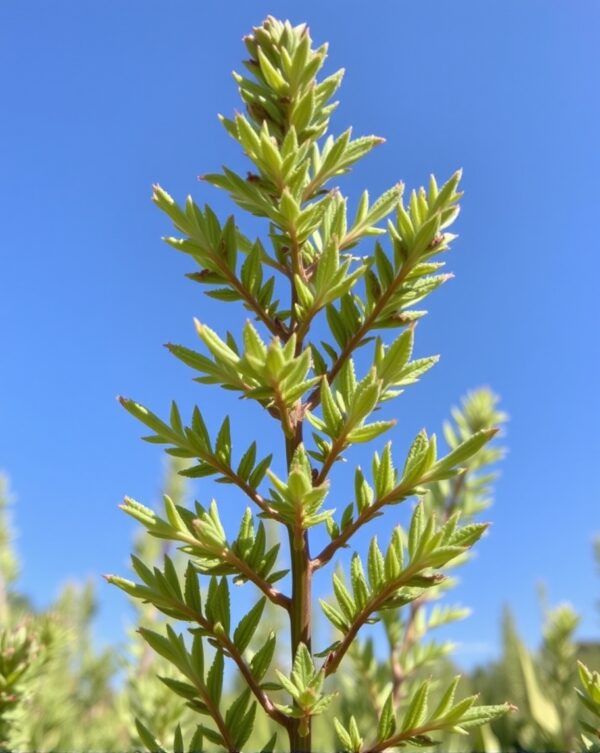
x=418, y=722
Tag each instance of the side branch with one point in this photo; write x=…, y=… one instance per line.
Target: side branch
x=354, y=342
x=373, y=605
x=232, y=651
x=271, y=593
x=396, y=740
x=274, y=326
x=248, y=490
x=396, y=495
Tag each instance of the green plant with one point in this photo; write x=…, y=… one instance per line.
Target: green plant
x=55, y=689
x=589, y=698
x=338, y=301
x=540, y=683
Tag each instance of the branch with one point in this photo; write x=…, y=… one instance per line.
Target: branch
x=396, y=495
x=231, y=649
x=264, y=700
x=394, y=741
x=250, y=492
x=356, y=339
x=271, y=593
x=273, y=325
x=217, y=717
x=373, y=605
x=336, y=450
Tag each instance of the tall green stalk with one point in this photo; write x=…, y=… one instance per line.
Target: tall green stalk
x=318, y=288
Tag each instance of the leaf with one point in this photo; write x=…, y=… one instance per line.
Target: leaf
x=148, y=738
x=197, y=742
x=416, y=529
x=417, y=711
x=343, y=735
x=303, y=668
x=342, y=594
x=211, y=735
x=478, y=715
x=370, y=431
x=184, y=689
x=465, y=450
x=160, y=644
x=387, y=721
x=248, y=624
x=376, y=566
x=446, y=700
x=416, y=459
x=331, y=413
x=223, y=442
x=355, y=737
x=261, y=661
x=334, y=616
x=245, y=726
x=247, y=462
x=214, y=680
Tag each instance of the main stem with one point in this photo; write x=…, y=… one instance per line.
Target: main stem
x=301, y=607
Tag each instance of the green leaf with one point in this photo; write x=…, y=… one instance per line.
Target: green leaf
x=303, y=668
x=248, y=624
x=376, y=566
x=148, y=738
x=417, y=526
x=261, y=661
x=342, y=594
x=355, y=736
x=465, y=450
x=268, y=748
x=387, y=721
x=417, y=710
x=211, y=735
x=446, y=700
x=343, y=735
x=223, y=443
x=334, y=616
x=214, y=680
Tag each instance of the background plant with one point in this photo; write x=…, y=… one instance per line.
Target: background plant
x=545, y=684
x=55, y=687
x=306, y=374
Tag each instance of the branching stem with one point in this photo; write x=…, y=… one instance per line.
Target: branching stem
x=373, y=605
x=354, y=342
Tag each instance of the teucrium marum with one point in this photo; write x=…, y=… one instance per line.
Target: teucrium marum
x=360, y=279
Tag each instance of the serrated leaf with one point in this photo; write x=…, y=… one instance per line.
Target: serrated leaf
x=261, y=661
x=465, y=450
x=343, y=735
x=417, y=710
x=387, y=721
x=248, y=624
x=214, y=680
x=148, y=739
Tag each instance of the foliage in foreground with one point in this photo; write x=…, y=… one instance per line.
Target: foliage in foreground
x=34, y=718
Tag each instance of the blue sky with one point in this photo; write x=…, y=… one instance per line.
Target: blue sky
x=104, y=99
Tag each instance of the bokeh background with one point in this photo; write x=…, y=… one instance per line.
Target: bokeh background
x=100, y=100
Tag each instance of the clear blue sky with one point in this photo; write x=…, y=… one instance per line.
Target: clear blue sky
x=103, y=99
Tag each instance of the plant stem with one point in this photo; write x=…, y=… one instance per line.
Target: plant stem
x=301, y=606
